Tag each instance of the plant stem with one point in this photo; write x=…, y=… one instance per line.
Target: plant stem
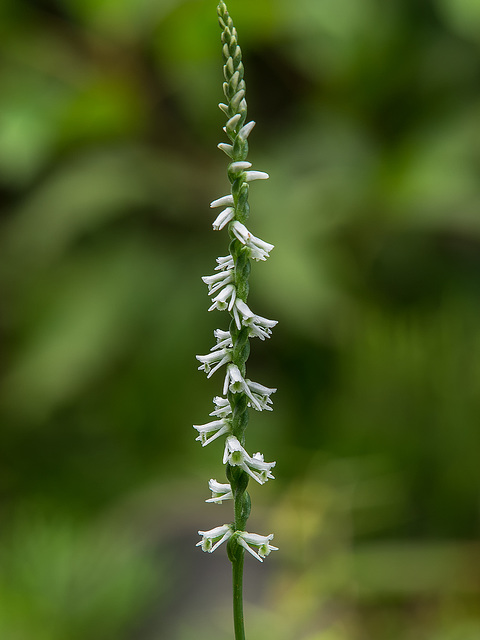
x=237, y=575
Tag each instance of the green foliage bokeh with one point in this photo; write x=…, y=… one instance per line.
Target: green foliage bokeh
x=368, y=119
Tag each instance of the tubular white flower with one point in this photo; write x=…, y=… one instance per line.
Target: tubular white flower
x=259, y=249
x=259, y=327
x=264, y=468
x=223, y=218
x=226, y=148
x=224, y=340
x=229, y=68
x=218, y=280
x=225, y=299
x=250, y=176
x=234, y=80
x=236, y=456
x=247, y=540
x=216, y=427
x=225, y=263
x=213, y=538
x=222, y=407
x=220, y=202
x=219, y=491
x=262, y=396
x=246, y=130
x=232, y=123
x=235, y=382
x=214, y=360
x=237, y=99
x=237, y=167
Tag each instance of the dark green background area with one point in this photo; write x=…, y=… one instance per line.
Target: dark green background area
x=368, y=122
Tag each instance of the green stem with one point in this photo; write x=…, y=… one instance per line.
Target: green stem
x=237, y=575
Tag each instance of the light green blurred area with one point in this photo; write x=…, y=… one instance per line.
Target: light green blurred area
x=368, y=122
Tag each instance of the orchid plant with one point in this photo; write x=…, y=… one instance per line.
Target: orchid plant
x=228, y=288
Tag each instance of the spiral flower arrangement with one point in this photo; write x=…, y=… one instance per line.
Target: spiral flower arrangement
x=228, y=288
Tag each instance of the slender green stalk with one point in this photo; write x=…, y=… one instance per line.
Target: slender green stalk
x=229, y=291
x=237, y=582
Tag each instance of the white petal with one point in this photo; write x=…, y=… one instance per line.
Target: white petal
x=226, y=148
x=223, y=218
x=229, y=66
x=220, y=202
x=232, y=123
x=242, y=542
x=239, y=166
x=256, y=175
x=245, y=130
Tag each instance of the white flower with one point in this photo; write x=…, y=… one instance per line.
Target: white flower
x=219, y=357
x=237, y=167
x=259, y=327
x=223, y=218
x=235, y=79
x=259, y=249
x=264, y=468
x=245, y=130
x=212, y=539
x=219, y=491
x=255, y=466
x=224, y=339
x=225, y=263
x=237, y=99
x=226, y=148
x=250, y=176
x=217, y=427
x=225, y=299
x=222, y=407
x=261, y=394
x=235, y=382
x=223, y=107
x=232, y=122
x=220, y=202
x=261, y=542
x=226, y=215
x=229, y=68
x=218, y=280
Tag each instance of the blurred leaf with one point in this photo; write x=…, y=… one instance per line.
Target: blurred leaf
x=125, y=19
x=28, y=119
x=462, y=15
x=60, y=580
x=103, y=109
x=87, y=311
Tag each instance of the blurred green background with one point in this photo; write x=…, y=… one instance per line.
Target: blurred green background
x=368, y=121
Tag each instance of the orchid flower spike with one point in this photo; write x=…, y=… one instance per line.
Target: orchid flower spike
x=228, y=289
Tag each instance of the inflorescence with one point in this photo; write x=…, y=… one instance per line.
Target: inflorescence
x=228, y=289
